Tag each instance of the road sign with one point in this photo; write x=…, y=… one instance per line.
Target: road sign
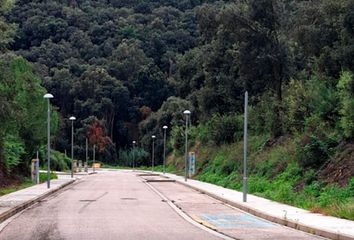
x=191, y=164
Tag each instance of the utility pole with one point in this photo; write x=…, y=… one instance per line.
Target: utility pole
x=245, y=149
x=48, y=96
x=164, y=148
x=186, y=113
x=153, y=152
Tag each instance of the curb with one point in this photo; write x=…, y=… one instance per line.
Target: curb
x=281, y=221
x=11, y=212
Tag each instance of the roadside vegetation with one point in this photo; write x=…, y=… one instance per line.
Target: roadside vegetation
x=25, y=183
x=127, y=68
x=310, y=166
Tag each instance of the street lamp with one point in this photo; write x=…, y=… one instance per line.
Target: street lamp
x=134, y=154
x=48, y=96
x=164, y=148
x=72, y=119
x=186, y=113
x=86, y=156
x=153, y=151
x=244, y=187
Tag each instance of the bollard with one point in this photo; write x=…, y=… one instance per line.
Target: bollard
x=35, y=171
x=80, y=165
x=74, y=166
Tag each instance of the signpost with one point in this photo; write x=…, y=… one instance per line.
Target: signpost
x=191, y=164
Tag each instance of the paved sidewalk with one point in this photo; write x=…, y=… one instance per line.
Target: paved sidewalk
x=325, y=226
x=15, y=202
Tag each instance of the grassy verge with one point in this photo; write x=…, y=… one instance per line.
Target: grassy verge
x=275, y=174
x=13, y=188
x=25, y=184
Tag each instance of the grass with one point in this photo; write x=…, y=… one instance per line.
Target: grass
x=43, y=177
x=25, y=184
x=275, y=174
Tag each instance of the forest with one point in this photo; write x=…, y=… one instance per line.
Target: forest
x=125, y=68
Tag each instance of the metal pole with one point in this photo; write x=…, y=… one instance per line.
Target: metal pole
x=94, y=156
x=86, y=155
x=133, y=155
x=48, y=145
x=164, y=151
x=153, y=154
x=186, y=149
x=72, y=149
x=245, y=150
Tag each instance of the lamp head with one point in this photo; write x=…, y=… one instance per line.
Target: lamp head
x=153, y=136
x=187, y=112
x=134, y=142
x=48, y=96
x=72, y=118
x=165, y=127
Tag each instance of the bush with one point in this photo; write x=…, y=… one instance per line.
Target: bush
x=264, y=117
x=221, y=129
x=318, y=144
x=177, y=138
x=43, y=177
x=315, y=97
x=58, y=160
x=345, y=88
x=14, y=149
x=139, y=155
x=315, y=151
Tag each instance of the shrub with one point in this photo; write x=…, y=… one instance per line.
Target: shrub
x=58, y=160
x=315, y=151
x=345, y=88
x=43, y=177
x=14, y=149
x=296, y=103
x=139, y=155
x=222, y=129
x=265, y=116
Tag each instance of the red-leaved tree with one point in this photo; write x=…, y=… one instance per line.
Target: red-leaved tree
x=96, y=136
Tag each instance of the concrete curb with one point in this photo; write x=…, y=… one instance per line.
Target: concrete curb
x=11, y=212
x=281, y=221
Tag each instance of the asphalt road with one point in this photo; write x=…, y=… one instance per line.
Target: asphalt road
x=110, y=205
x=119, y=205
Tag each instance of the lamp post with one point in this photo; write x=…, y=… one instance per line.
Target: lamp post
x=244, y=187
x=48, y=96
x=86, y=155
x=72, y=119
x=186, y=113
x=153, y=152
x=164, y=148
x=134, y=155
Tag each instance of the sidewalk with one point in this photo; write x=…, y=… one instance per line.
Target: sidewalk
x=15, y=202
x=325, y=226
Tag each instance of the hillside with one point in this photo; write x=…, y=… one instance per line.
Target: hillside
x=126, y=68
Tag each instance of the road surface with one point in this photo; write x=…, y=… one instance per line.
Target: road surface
x=120, y=205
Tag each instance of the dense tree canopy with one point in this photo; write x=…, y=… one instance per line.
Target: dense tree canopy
x=121, y=61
